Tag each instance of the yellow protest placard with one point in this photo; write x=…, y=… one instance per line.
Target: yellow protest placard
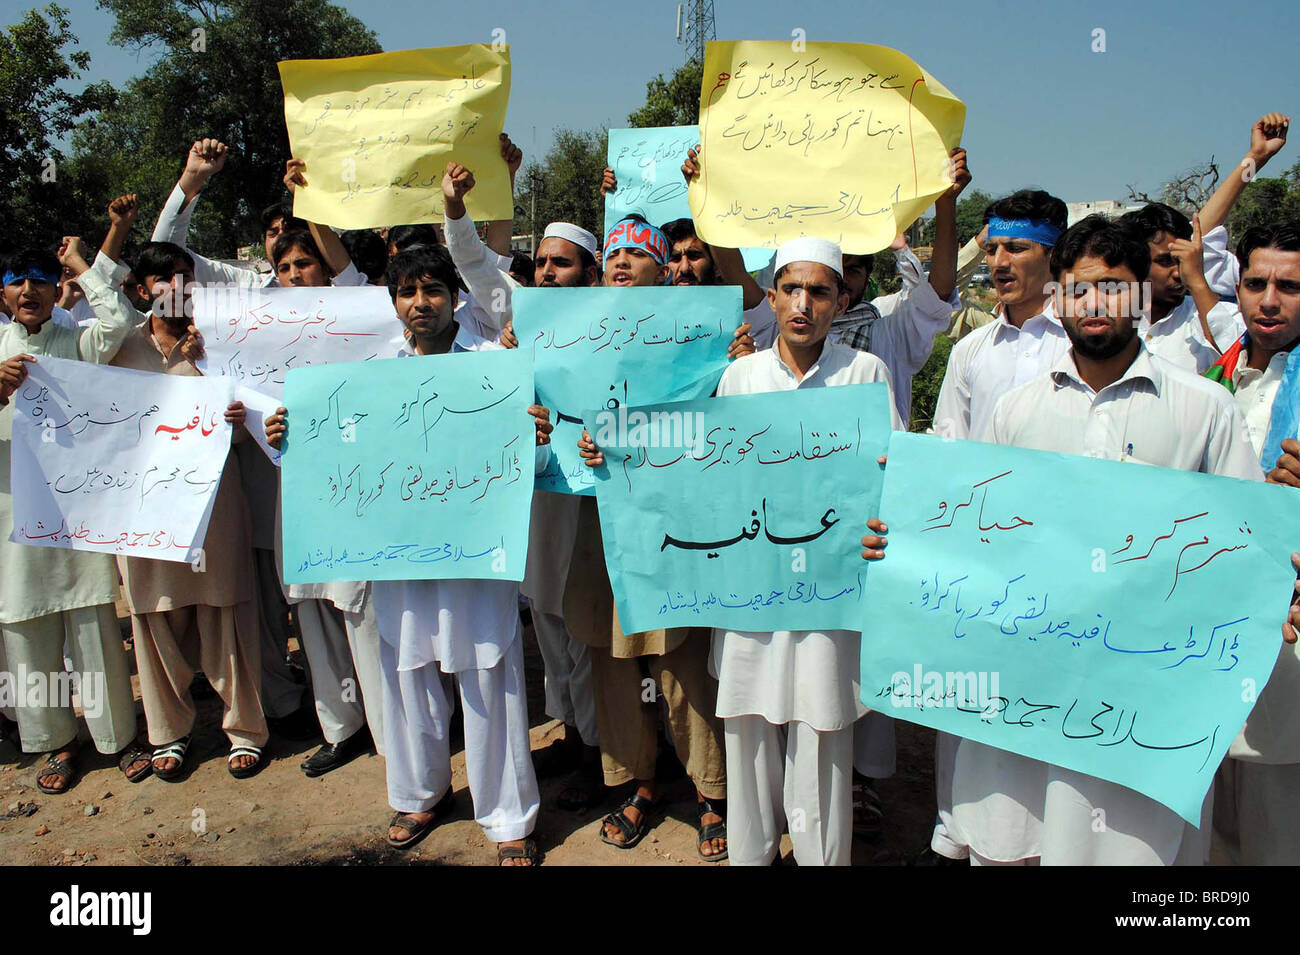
x=844, y=141
x=377, y=132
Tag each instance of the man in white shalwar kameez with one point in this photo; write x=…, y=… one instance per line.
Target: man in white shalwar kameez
x=469, y=628
x=1258, y=784
x=789, y=700
x=565, y=259
x=49, y=596
x=1106, y=397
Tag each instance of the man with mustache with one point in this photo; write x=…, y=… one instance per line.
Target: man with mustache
x=51, y=596
x=1260, y=779
x=180, y=613
x=1106, y=396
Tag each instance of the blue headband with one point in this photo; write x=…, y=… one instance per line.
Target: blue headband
x=632, y=234
x=1035, y=230
x=35, y=273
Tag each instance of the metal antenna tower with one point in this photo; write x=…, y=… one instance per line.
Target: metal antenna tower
x=695, y=27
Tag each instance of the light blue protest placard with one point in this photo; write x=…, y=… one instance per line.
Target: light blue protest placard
x=409, y=468
x=647, y=164
x=602, y=348
x=743, y=512
x=1113, y=618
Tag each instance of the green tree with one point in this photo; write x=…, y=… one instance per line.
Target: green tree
x=567, y=183
x=926, y=383
x=37, y=109
x=970, y=218
x=216, y=76
x=1262, y=201
x=671, y=102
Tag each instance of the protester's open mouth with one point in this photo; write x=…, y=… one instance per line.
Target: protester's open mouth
x=621, y=278
x=1094, y=325
x=687, y=280
x=1004, y=281
x=800, y=324
x=1268, y=324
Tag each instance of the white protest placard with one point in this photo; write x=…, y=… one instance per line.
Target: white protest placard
x=117, y=461
x=257, y=335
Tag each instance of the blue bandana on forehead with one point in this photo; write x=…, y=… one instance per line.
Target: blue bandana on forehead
x=1035, y=230
x=32, y=272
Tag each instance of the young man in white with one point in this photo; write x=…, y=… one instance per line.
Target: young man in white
x=789, y=740
x=898, y=328
x=469, y=628
x=1259, y=782
x=1106, y=393
x=565, y=259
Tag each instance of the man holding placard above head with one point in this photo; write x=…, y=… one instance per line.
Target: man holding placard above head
x=676, y=659
x=565, y=259
x=790, y=700
x=899, y=328
x=466, y=627
x=1107, y=396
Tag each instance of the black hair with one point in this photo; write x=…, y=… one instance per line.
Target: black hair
x=1106, y=239
x=40, y=259
x=522, y=263
x=295, y=238
x=368, y=252
x=1284, y=236
x=1029, y=204
x=678, y=229
x=776, y=279
x=869, y=262
x=160, y=259
x=423, y=260
x=280, y=210
x=403, y=237
x=1154, y=218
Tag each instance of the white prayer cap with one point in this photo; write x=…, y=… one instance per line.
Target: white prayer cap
x=571, y=233
x=810, y=249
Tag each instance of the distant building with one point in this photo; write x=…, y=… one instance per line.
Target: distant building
x=1106, y=207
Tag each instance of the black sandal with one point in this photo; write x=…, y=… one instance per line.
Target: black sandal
x=714, y=830
x=632, y=832
x=134, y=754
x=56, y=767
x=417, y=829
x=527, y=851
x=174, y=750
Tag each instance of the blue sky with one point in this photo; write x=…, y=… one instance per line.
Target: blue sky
x=1179, y=81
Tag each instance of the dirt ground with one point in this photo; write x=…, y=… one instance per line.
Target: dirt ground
x=280, y=817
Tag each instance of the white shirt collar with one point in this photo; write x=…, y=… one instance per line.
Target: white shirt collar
x=1048, y=313
x=1142, y=367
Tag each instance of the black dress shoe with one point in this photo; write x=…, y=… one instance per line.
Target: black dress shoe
x=333, y=755
x=300, y=725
